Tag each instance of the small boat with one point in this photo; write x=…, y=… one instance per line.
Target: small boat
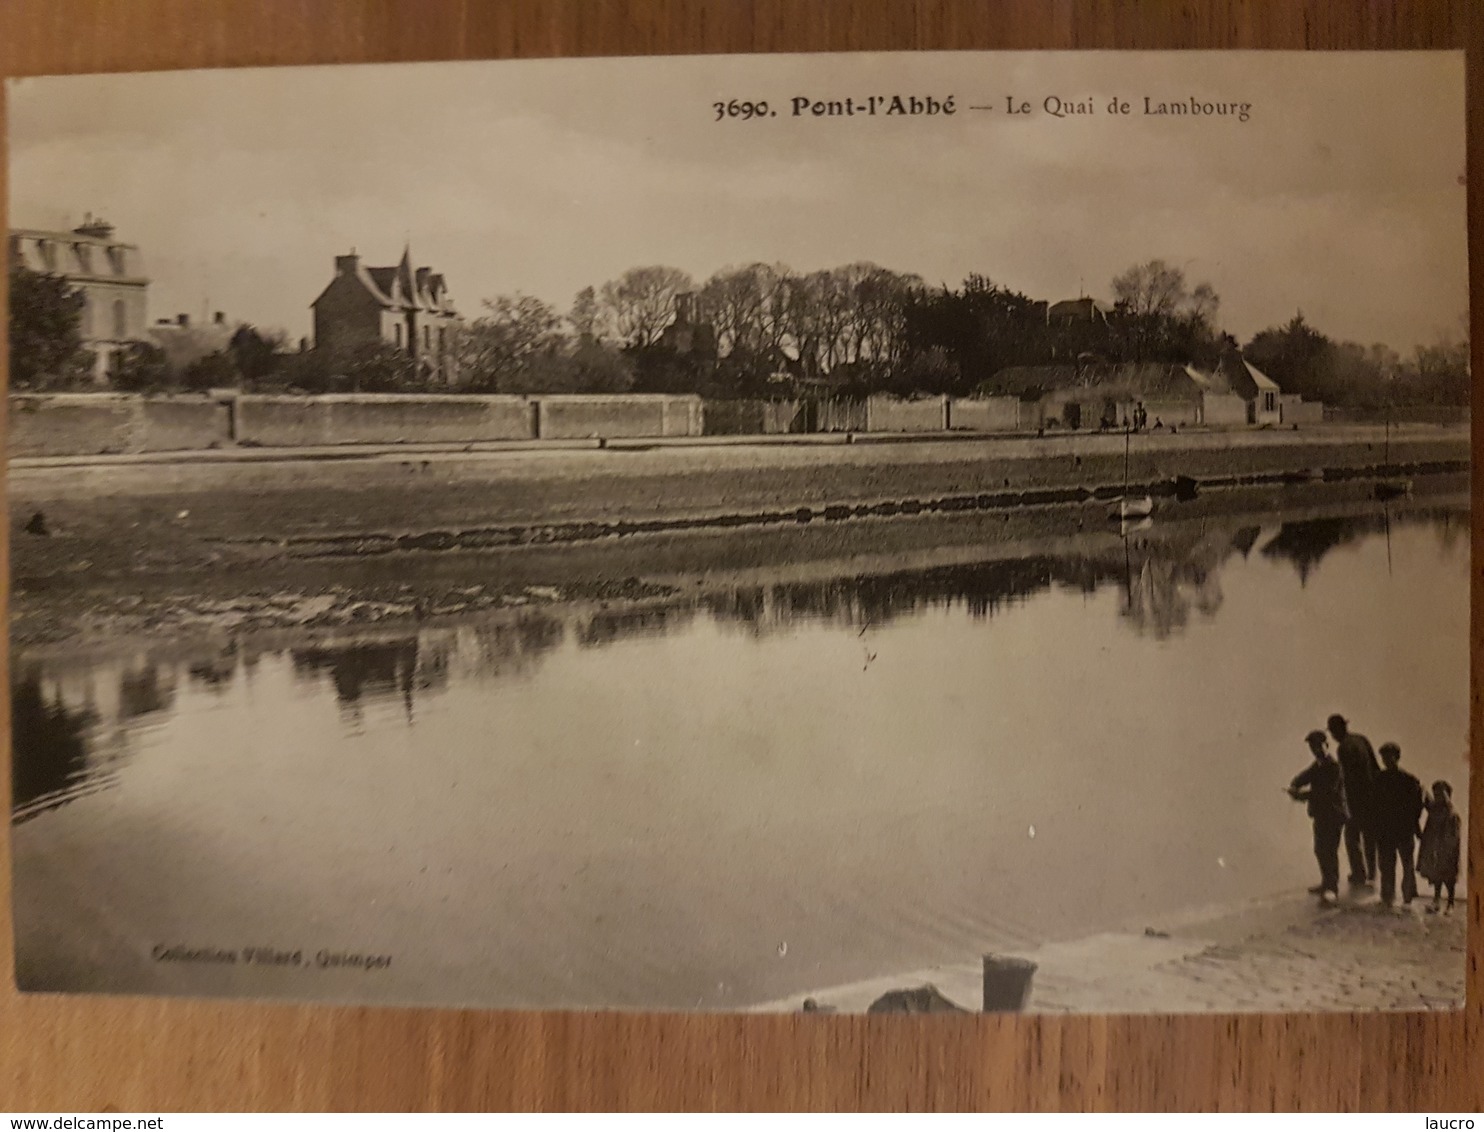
x=1128, y=506
x=1129, y=527
x=1392, y=489
x=1131, y=507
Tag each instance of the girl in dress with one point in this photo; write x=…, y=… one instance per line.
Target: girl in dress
x=1437, y=858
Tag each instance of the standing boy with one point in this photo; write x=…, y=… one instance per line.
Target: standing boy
x=1397, y=798
x=1359, y=767
x=1321, y=785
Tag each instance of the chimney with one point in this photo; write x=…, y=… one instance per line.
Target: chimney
x=182, y=320
x=219, y=318
x=347, y=264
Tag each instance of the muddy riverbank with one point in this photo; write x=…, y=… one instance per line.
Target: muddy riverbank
x=291, y=585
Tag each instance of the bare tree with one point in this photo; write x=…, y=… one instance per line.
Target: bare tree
x=1204, y=303
x=587, y=315
x=641, y=302
x=516, y=333
x=747, y=306
x=1153, y=288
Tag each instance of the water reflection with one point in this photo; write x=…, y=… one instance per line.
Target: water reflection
x=567, y=803
x=145, y=690
x=1167, y=576
x=50, y=741
x=1306, y=544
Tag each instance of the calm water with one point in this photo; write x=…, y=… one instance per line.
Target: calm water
x=744, y=794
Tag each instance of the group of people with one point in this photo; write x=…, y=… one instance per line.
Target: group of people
x=1136, y=420
x=1377, y=809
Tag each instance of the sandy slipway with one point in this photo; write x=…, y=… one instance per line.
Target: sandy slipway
x=170, y=546
x=1275, y=955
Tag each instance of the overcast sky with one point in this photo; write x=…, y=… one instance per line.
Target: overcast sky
x=1341, y=196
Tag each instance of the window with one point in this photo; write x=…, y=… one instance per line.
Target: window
x=1267, y=402
x=427, y=337
x=48, y=253
x=116, y=260
x=397, y=334
x=120, y=320
x=84, y=257
x=85, y=323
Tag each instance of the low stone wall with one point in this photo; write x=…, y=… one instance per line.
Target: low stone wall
x=894, y=414
x=170, y=424
x=86, y=424
x=576, y=416
x=391, y=418
x=984, y=414
x=1223, y=409
x=750, y=417
x=1293, y=409
x=1181, y=413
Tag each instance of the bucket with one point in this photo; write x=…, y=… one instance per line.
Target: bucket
x=1007, y=983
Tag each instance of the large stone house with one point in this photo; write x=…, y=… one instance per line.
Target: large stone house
x=110, y=275
x=404, y=307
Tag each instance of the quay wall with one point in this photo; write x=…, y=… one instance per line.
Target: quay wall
x=390, y=418
x=92, y=424
x=87, y=424
x=576, y=416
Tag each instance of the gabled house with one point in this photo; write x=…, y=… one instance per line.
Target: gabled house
x=404, y=307
x=1260, y=392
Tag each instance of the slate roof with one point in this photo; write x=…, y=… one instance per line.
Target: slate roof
x=402, y=287
x=1245, y=379
x=1085, y=307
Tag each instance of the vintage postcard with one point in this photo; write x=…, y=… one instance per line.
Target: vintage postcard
x=883, y=532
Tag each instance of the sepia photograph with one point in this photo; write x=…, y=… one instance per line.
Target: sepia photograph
x=940, y=532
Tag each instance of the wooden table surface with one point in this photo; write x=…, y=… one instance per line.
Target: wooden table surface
x=60, y=1054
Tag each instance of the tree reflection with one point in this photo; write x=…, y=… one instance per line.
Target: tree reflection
x=143, y=691
x=1308, y=542
x=358, y=671
x=49, y=742
x=1166, y=576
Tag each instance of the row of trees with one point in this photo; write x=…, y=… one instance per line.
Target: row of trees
x=655, y=329
x=762, y=329
x=1369, y=378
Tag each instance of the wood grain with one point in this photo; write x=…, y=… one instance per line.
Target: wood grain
x=96, y=1053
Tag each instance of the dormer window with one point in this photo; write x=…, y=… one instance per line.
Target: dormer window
x=84, y=256
x=48, y=252
x=116, y=260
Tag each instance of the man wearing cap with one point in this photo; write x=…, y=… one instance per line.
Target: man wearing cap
x=1359, y=767
x=1321, y=784
x=1398, y=809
